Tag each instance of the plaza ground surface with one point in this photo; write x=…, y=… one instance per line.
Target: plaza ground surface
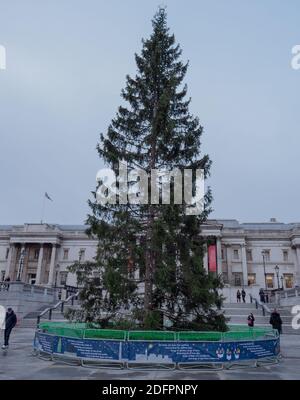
x=20, y=363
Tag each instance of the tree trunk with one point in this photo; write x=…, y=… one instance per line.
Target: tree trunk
x=150, y=261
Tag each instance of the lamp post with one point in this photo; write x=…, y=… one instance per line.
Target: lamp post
x=277, y=274
x=264, y=263
x=21, y=263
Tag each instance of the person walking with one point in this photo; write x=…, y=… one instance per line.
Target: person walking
x=238, y=296
x=261, y=295
x=267, y=297
x=244, y=296
x=251, y=320
x=10, y=323
x=276, y=321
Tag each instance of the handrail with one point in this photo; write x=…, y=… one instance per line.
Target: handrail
x=263, y=306
x=291, y=292
x=60, y=303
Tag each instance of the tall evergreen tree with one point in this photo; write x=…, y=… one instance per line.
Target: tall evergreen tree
x=152, y=130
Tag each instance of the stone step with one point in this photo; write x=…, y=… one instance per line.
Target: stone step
x=286, y=328
x=28, y=323
x=246, y=305
x=258, y=318
x=239, y=311
x=32, y=322
x=244, y=321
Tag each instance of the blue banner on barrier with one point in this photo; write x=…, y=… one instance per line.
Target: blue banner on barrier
x=171, y=352
x=87, y=348
x=45, y=342
x=157, y=352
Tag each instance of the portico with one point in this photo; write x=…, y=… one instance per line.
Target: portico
x=32, y=255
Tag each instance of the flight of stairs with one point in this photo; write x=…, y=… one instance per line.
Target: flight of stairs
x=30, y=320
x=238, y=313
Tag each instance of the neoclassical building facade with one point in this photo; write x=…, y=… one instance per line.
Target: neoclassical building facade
x=257, y=255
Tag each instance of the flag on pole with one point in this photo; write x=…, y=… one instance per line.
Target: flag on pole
x=47, y=196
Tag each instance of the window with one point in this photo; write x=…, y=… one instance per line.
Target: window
x=251, y=279
x=270, y=281
x=223, y=254
x=47, y=254
x=2, y=275
x=237, y=278
x=36, y=254
x=81, y=254
x=66, y=254
x=225, y=277
x=235, y=254
x=288, y=280
x=249, y=255
x=266, y=254
x=31, y=279
x=7, y=253
x=285, y=254
x=63, y=278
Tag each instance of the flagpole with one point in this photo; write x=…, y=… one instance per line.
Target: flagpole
x=43, y=209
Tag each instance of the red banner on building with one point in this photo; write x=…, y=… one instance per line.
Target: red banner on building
x=212, y=258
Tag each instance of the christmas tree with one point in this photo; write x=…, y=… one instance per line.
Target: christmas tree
x=149, y=263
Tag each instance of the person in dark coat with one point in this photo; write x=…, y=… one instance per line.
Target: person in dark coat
x=251, y=320
x=261, y=295
x=10, y=323
x=244, y=296
x=276, y=321
x=267, y=298
x=238, y=296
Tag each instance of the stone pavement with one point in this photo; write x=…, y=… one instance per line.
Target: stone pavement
x=19, y=363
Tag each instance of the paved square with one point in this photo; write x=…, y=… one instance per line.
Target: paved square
x=20, y=363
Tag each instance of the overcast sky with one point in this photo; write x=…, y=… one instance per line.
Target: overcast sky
x=66, y=66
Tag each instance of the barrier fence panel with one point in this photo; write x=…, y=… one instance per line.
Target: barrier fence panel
x=156, y=349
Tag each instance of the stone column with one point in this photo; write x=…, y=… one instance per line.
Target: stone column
x=229, y=263
x=39, y=267
x=20, y=268
x=244, y=265
x=297, y=267
x=9, y=261
x=219, y=256
x=13, y=269
x=52, y=265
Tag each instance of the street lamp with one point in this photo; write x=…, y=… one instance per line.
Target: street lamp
x=264, y=262
x=21, y=263
x=277, y=274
